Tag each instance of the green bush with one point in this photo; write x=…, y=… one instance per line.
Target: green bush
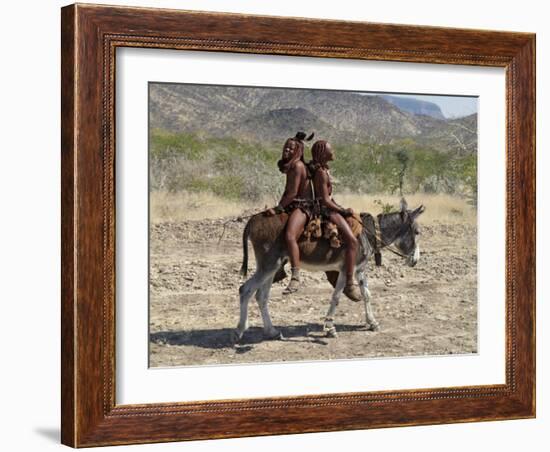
x=241, y=170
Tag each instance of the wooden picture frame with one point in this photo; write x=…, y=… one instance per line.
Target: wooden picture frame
x=90, y=36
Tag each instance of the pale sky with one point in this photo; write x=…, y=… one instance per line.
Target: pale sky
x=451, y=106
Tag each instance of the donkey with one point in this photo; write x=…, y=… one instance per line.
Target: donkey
x=398, y=230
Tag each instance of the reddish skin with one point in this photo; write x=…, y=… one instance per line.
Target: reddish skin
x=295, y=179
x=297, y=219
x=294, y=229
x=288, y=149
x=320, y=181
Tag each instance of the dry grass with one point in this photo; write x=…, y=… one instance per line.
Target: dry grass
x=440, y=208
x=169, y=207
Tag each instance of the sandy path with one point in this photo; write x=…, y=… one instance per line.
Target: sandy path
x=430, y=309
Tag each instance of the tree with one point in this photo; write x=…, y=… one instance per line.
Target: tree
x=403, y=158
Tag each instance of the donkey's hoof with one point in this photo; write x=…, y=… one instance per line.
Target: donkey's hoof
x=273, y=335
x=236, y=336
x=373, y=327
x=331, y=332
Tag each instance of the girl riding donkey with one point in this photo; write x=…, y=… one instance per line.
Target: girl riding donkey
x=332, y=212
x=299, y=201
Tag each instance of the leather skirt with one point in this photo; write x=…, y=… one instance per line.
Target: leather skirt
x=309, y=206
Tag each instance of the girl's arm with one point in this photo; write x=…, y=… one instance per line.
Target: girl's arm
x=293, y=178
x=321, y=188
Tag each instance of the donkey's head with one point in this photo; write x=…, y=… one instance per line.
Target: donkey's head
x=401, y=230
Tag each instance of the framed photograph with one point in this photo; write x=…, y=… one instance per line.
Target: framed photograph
x=267, y=231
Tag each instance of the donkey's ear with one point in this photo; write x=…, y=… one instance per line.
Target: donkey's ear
x=403, y=205
x=419, y=210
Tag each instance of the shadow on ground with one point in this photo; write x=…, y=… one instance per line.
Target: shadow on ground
x=222, y=337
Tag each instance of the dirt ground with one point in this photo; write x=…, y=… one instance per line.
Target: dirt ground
x=430, y=309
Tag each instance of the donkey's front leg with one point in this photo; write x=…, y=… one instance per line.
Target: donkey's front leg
x=328, y=326
x=371, y=322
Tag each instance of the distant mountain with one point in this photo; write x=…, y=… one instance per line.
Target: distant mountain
x=415, y=106
x=274, y=124
x=454, y=135
x=273, y=114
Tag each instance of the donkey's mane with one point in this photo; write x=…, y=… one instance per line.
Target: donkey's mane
x=390, y=219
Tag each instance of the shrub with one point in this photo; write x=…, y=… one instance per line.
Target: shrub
x=234, y=169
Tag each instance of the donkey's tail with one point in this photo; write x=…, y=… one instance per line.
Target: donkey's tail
x=246, y=233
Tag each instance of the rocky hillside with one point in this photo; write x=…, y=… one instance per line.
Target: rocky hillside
x=268, y=114
x=415, y=106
